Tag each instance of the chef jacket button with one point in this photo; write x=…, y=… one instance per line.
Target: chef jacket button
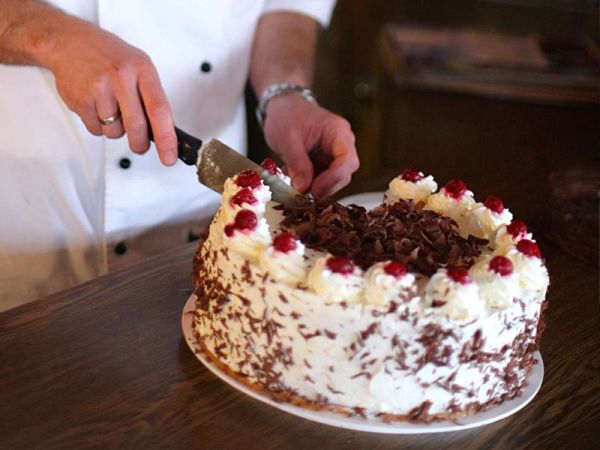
x=120, y=248
x=124, y=163
x=205, y=67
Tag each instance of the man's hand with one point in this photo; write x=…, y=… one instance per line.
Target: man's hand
x=296, y=128
x=97, y=74
x=284, y=51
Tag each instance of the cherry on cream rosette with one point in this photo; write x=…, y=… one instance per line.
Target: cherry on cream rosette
x=284, y=260
x=336, y=279
x=248, y=234
x=508, y=236
x=527, y=261
x=497, y=280
x=453, y=293
x=244, y=191
x=454, y=200
x=411, y=185
x=388, y=281
x=271, y=166
x=484, y=219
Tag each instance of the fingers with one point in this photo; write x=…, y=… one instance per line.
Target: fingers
x=89, y=116
x=132, y=113
x=344, y=163
x=143, y=104
x=332, y=166
x=159, y=113
x=106, y=106
x=299, y=165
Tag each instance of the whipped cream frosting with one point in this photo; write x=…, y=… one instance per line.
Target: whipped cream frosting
x=504, y=241
x=482, y=222
x=288, y=267
x=262, y=194
x=336, y=287
x=382, y=288
x=250, y=243
x=456, y=209
x=418, y=191
x=456, y=300
x=497, y=291
x=531, y=272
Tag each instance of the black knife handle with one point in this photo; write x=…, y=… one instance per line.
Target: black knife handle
x=187, y=145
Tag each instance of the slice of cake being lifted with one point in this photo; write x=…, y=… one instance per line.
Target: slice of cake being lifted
x=426, y=308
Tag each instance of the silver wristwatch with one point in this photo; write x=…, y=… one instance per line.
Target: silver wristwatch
x=274, y=90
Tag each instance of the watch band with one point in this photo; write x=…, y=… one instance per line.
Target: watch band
x=275, y=90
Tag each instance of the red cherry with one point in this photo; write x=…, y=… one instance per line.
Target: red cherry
x=517, y=229
x=455, y=188
x=501, y=265
x=395, y=269
x=244, y=195
x=529, y=248
x=494, y=204
x=341, y=265
x=459, y=275
x=245, y=220
x=270, y=166
x=249, y=179
x=284, y=243
x=229, y=230
x=411, y=175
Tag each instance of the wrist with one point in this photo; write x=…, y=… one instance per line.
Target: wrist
x=51, y=31
x=278, y=91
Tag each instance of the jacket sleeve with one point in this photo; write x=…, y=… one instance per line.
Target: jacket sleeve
x=320, y=10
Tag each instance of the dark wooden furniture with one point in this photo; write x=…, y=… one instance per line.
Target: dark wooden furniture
x=104, y=365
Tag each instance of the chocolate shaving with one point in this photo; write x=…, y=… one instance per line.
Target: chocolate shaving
x=419, y=412
x=403, y=231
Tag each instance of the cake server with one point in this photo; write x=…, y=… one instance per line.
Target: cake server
x=215, y=162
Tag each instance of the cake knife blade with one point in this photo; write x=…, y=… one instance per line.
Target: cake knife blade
x=215, y=162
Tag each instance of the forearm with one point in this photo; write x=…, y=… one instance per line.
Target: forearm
x=283, y=50
x=29, y=31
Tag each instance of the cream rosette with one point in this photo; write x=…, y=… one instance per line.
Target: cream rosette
x=336, y=287
x=457, y=300
x=289, y=267
x=261, y=194
x=446, y=205
x=483, y=223
x=417, y=191
x=382, y=288
x=497, y=290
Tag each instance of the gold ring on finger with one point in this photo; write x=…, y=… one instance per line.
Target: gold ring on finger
x=110, y=119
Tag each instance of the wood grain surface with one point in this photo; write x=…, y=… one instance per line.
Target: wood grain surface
x=104, y=365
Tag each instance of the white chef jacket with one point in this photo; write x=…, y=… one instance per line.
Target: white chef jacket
x=66, y=202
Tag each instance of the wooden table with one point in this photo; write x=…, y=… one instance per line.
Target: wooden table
x=104, y=365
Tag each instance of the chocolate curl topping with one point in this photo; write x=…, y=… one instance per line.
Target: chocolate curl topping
x=403, y=231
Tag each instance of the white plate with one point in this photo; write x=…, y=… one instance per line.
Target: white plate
x=368, y=200
x=359, y=423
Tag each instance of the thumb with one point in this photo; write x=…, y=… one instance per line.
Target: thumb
x=299, y=167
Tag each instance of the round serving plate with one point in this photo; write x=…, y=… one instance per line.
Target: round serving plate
x=361, y=424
